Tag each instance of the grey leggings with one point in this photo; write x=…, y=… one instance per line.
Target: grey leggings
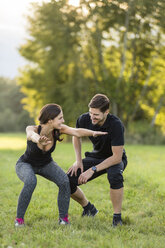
x=51, y=172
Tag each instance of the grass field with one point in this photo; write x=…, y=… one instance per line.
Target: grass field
x=143, y=205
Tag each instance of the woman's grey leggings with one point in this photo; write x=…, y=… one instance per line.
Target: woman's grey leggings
x=50, y=171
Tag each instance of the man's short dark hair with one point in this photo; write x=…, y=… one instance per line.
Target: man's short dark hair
x=100, y=102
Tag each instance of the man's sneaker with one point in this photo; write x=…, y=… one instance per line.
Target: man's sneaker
x=19, y=222
x=92, y=211
x=117, y=222
x=64, y=221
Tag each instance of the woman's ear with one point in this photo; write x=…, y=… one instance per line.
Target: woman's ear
x=50, y=121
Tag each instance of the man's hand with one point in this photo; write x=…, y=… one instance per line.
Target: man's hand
x=75, y=167
x=83, y=178
x=43, y=140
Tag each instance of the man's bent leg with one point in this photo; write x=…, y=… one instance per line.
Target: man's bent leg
x=80, y=197
x=115, y=178
x=77, y=194
x=116, y=196
x=89, y=209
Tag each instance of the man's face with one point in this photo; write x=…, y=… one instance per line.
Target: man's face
x=97, y=117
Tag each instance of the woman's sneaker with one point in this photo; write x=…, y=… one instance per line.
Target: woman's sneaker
x=64, y=221
x=92, y=211
x=19, y=222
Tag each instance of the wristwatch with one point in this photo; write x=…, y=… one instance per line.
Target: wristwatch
x=94, y=169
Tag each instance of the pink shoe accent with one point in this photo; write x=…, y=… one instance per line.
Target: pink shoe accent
x=20, y=220
x=66, y=218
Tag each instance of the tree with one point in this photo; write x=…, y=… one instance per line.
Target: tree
x=110, y=47
x=13, y=116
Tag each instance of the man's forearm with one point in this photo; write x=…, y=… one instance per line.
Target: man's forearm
x=116, y=158
x=108, y=163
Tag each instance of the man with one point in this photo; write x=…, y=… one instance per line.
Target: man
x=108, y=156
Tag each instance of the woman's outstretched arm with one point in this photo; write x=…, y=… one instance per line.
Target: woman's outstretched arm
x=80, y=132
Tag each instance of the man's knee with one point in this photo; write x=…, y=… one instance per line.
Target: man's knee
x=115, y=178
x=73, y=189
x=73, y=181
x=73, y=186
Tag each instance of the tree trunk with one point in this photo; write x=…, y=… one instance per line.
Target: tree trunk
x=157, y=110
x=123, y=57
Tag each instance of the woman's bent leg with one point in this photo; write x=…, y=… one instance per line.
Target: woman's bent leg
x=55, y=174
x=26, y=174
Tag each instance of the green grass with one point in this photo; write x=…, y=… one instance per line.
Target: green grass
x=143, y=205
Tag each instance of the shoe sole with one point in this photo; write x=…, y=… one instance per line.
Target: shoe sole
x=118, y=224
x=95, y=214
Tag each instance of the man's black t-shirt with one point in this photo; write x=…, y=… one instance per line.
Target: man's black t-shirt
x=102, y=145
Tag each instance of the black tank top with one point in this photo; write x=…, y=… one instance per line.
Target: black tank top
x=35, y=156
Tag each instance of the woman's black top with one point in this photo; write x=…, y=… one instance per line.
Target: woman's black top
x=35, y=156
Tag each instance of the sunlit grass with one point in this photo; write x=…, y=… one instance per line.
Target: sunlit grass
x=12, y=141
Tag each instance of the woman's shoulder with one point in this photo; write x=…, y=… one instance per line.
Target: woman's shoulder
x=32, y=128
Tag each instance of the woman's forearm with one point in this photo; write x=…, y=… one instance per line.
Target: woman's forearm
x=32, y=135
x=81, y=132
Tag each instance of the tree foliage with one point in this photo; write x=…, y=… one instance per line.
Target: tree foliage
x=13, y=116
x=112, y=47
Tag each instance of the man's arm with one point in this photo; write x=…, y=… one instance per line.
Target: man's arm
x=77, y=147
x=116, y=158
x=78, y=164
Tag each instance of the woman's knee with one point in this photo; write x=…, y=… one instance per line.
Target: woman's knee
x=31, y=182
x=25, y=172
x=64, y=183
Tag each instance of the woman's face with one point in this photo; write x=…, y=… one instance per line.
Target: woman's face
x=58, y=121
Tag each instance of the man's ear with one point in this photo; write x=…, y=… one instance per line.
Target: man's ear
x=107, y=111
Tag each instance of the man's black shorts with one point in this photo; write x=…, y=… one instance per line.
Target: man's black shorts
x=114, y=173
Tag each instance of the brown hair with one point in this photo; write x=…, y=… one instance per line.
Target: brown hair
x=49, y=112
x=100, y=102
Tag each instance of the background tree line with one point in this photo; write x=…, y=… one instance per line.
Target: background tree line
x=12, y=115
x=112, y=47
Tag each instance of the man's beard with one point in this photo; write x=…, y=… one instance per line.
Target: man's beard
x=98, y=121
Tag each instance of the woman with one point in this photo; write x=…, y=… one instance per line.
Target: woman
x=41, y=142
